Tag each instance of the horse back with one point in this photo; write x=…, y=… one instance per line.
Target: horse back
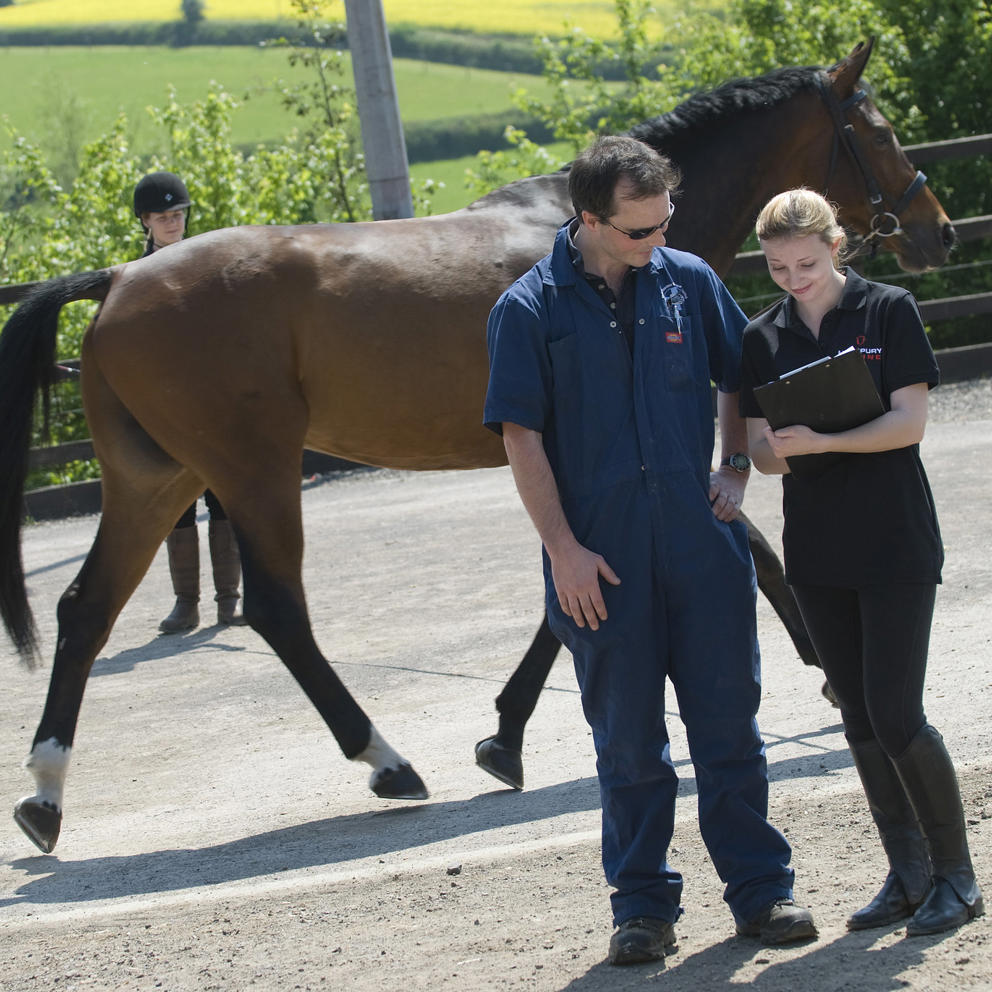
x=368, y=339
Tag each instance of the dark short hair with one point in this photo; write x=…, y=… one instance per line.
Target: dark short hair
x=593, y=176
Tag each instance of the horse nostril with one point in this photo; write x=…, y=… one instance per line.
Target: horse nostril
x=948, y=237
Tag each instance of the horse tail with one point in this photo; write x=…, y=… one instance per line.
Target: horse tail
x=27, y=367
x=18, y=291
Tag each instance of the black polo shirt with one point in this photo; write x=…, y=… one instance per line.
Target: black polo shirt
x=868, y=519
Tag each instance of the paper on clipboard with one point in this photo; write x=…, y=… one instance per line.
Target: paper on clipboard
x=829, y=395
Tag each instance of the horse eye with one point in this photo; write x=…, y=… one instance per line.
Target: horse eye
x=882, y=138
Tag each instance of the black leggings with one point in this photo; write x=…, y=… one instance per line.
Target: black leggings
x=873, y=645
x=216, y=511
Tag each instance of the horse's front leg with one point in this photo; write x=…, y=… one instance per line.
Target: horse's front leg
x=502, y=754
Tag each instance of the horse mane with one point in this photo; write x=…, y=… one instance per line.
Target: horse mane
x=729, y=100
x=699, y=113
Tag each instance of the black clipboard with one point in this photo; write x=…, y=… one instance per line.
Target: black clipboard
x=830, y=395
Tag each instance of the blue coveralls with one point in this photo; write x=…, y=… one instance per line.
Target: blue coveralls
x=630, y=440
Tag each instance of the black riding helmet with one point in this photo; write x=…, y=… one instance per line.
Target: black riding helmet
x=159, y=192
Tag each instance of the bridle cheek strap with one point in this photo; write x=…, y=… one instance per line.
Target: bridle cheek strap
x=884, y=223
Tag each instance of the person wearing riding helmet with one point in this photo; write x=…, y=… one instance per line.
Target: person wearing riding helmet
x=161, y=203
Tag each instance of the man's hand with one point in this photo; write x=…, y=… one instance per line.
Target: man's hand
x=727, y=492
x=576, y=573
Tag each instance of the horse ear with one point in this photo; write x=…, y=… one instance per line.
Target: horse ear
x=846, y=73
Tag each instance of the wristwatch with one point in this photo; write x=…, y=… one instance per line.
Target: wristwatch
x=739, y=462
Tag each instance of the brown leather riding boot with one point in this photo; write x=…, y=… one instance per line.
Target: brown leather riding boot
x=908, y=882
x=226, y=561
x=183, y=546
x=927, y=774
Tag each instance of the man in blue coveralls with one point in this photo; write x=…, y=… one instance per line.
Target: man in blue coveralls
x=601, y=358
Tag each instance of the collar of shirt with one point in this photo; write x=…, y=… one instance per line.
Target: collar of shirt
x=596, y=281
x=854, y=297
x=622, y=306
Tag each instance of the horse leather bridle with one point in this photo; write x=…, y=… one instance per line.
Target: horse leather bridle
x=884, y=223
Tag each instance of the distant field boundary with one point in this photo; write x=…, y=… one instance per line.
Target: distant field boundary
x=509, y=53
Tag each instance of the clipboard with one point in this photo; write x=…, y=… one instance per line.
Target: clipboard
x=829, y=395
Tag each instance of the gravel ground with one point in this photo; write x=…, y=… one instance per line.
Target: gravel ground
x=961, y=401
x=215, y=839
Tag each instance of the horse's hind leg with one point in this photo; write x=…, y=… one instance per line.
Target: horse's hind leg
x=771, y=582
x=502, y=754
x=133, y=525
x=266, y=517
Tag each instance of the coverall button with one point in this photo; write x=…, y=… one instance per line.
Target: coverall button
x=613, y=323
x=641, y=321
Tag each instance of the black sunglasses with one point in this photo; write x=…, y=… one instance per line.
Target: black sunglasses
x=640, y=233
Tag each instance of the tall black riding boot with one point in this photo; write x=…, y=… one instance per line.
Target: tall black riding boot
x=908, y=881
x=183, y=545
x=226, y=561
x=927, y=775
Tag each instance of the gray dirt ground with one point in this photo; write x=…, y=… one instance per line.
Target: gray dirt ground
x=215, y=838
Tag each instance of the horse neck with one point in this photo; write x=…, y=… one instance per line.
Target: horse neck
x=731, y=172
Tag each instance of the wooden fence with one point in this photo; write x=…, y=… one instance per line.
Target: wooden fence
x=956, y=364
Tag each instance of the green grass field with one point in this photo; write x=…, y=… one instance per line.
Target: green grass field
x=62, y=97
x=98, y=82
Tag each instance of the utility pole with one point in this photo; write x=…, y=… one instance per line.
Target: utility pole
x=378, y=110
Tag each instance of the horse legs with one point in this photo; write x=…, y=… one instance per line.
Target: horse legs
x=269, y=529
x=501, y=754
x=771, y=581
x=125, y=545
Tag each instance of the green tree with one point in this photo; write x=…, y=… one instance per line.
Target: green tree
x=576, y=114
x=929, y=76
x=324, y=105
x=191, y=14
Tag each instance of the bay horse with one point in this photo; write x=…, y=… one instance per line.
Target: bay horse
x=216, y=361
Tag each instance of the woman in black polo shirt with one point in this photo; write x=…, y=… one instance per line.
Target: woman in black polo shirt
x=863, y=551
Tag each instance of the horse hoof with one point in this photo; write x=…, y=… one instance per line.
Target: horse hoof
x=501, y=762
x=398, y=783
x=40, y=821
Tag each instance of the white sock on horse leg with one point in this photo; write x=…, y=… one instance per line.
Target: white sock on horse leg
x=48, y=762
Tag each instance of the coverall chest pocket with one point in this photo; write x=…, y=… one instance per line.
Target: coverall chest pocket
x=674, y=344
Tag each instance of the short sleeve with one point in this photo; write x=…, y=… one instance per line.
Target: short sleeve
x=520, y=376
x=724, y=323
x=756, y=369
x=908, y=356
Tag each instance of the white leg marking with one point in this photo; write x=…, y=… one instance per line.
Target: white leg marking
x=379, y=755
x=48, y=762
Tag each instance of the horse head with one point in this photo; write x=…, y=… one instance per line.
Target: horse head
x=884, y=197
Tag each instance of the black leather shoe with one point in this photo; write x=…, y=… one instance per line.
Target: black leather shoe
x=890, y=906
x=781, y=922
x=640, y=939
x=943, y=910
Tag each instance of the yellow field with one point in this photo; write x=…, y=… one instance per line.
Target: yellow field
x=528, y=17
